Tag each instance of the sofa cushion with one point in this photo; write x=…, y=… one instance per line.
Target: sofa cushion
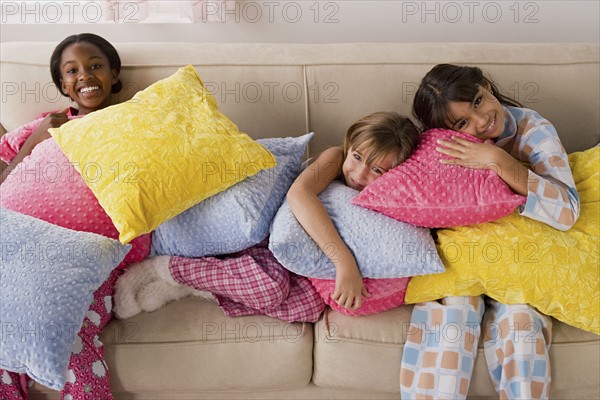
x=200, y=349
x=160, y=153
x=424, y=192
x=345, y=345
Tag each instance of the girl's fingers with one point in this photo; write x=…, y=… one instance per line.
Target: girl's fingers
x=348, y=301
x=343, y=301
x=365, y=293
x=454, y=161
x=445, y=144
x=351, y=303
x=452, y=144
x=348, y=304
x=449, y=152
x=461, y=141
x=456, y=143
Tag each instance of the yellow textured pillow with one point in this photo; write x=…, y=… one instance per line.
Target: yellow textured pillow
x=518, y=260
x=165, y=150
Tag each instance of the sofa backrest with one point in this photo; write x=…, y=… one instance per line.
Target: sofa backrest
x=273, y=90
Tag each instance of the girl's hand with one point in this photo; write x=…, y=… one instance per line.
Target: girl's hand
x=487, y=155
x=470, y=154
x=41, y=133
x=349, y=288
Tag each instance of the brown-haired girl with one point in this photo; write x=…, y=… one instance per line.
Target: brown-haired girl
x=373, y=145
x=440, y=349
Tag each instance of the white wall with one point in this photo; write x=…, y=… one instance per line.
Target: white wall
x=322, y=21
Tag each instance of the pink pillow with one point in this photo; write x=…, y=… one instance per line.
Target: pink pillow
x=45, y=185
x=386, y=293
x=424, y=192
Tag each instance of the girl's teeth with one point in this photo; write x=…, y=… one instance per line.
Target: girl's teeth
x=88, y=89
x=490, y=126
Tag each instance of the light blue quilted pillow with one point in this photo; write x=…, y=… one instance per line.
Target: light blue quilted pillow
x=238, y=217
x=382, y=246
x=48, y=276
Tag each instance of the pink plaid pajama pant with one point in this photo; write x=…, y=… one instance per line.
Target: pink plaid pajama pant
x=439, y=353
x=251, y=282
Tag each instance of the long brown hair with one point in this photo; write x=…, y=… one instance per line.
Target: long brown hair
x=447, y=83
x=380, y=134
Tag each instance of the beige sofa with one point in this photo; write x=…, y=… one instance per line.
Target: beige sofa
x=188, y=349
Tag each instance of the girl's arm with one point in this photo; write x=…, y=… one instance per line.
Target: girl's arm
x=548, y=184
x=311, y=214
x=552, y=197
x=19, y=143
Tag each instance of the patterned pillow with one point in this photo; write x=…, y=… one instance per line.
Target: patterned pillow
x=159, y=153
x=238, y=217
x=382, y=246
x=517, y=260
x=424, y=192
x=49, y=275
x=385, y=294
x=45, y=185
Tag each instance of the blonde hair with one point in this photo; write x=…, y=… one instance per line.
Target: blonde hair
x=380, y=134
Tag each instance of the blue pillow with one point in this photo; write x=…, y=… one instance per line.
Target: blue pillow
x=238, y=217
x=382, y=246
x=48, y=276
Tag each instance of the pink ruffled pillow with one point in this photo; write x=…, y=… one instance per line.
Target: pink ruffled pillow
x=386, y=293
x=424, y=192
x=45, y=185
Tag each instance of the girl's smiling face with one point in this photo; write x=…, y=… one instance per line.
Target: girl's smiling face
x=358, y=174
x=86, y=76
x=483, y=118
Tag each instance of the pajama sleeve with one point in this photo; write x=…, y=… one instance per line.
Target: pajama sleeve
x=552, y=197
x=12, y=141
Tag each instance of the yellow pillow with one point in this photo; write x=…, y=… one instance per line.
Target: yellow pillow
x=165, y=150
x=518, y=260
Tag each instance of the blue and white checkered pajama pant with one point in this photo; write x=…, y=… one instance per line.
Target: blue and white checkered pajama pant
x=441, y=346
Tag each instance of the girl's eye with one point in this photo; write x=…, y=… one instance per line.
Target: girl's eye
x=477, y=101
x=356, y=156
x=71, y=71
x=461, y=124
x=95, y=66
x=377, y=171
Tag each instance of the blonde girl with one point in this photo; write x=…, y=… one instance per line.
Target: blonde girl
x=373, y=145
